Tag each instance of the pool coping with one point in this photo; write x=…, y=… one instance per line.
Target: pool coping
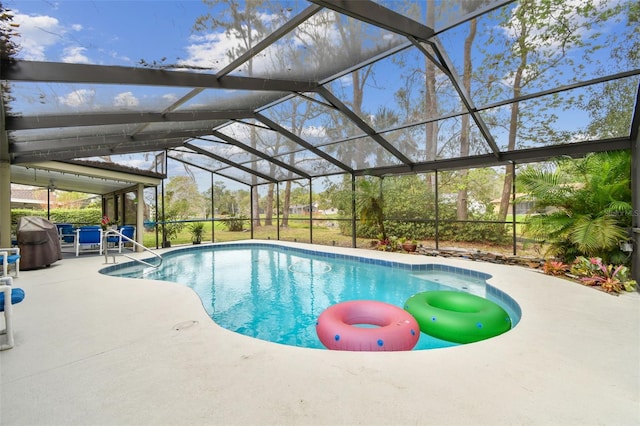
x=93, y=350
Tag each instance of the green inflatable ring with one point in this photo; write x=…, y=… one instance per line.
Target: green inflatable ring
x=457, y=316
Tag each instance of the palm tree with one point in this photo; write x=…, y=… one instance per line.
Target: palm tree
x=583, y=207
x=369, y=204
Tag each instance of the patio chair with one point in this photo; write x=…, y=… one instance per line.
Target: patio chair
x=10, y=256
x=66, y=232
x=9, y=296
x=89, y=236
x=126, y=230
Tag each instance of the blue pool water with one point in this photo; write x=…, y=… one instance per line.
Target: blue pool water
x=276, y=293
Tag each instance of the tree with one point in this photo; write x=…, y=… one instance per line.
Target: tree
x=462, y=202
x=431, y=98
x=610, y=104
x=370, y=204
x=246, y=23
x=583, y=207
x=72, y=199
x=8, y=33
x=286, y=205
x=356, y=38
x=183, y=198
x=405, y=197
x=181, y=201
x=268, y=205
x=300, y=195
x=543, y=36
x=224, y=200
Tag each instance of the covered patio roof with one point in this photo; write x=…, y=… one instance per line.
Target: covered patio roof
x=90, y=177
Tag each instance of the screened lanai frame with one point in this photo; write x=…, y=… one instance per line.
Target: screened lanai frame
x=215, y=108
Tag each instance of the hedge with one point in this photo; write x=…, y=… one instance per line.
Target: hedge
x=87, y=216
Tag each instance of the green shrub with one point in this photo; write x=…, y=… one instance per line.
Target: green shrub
x=172, y=229
x=426, y=230
x=196, y=229
x=16, y=214
x=235, y=223
x=87, y=216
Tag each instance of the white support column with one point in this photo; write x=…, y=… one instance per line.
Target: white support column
x=5, y=184
x=635, y=203
x=140, y=217
x=5, y=203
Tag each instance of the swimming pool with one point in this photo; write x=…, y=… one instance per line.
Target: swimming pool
x=275, y=293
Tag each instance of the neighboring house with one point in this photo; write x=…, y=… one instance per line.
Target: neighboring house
x=27, y=197
x=35, y=198
x=331, y=210
x=302, y=209
x=522, y=206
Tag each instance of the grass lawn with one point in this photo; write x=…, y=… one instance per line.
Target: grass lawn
x=298, y=230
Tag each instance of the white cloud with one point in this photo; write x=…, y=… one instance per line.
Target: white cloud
x=346, y=80
x=209, y=51
x=320, y=26
x=78, y=98
x=314, y=132
x=125, y=100
x=237, y=131
x=75, y=55
x=41, y=34
x=37, y=33
x=540, y=36
x=170, y=98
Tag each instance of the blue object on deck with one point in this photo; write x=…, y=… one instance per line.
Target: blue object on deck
x=66, y=232
x=7, y=259
x=126, y=230
x=89, y=236
x=17, y=296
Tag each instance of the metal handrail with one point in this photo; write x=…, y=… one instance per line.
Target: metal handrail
x=135, y=243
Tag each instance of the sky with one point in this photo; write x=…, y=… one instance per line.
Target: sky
x=108, y=32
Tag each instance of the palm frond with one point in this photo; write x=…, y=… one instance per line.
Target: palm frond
x=594, y=234
x=618, y=208
x=543, y=187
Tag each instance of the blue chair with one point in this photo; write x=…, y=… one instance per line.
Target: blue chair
x=9, y=296
x=66, y=232
x=128, y=231
x=10, y=256
x=89, y=236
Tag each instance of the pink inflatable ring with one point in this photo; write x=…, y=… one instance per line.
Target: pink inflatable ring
x=397, y=329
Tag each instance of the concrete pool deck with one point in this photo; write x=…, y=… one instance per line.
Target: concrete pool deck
x=98, y=350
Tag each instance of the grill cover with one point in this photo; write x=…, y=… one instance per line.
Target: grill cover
x=38, y=242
